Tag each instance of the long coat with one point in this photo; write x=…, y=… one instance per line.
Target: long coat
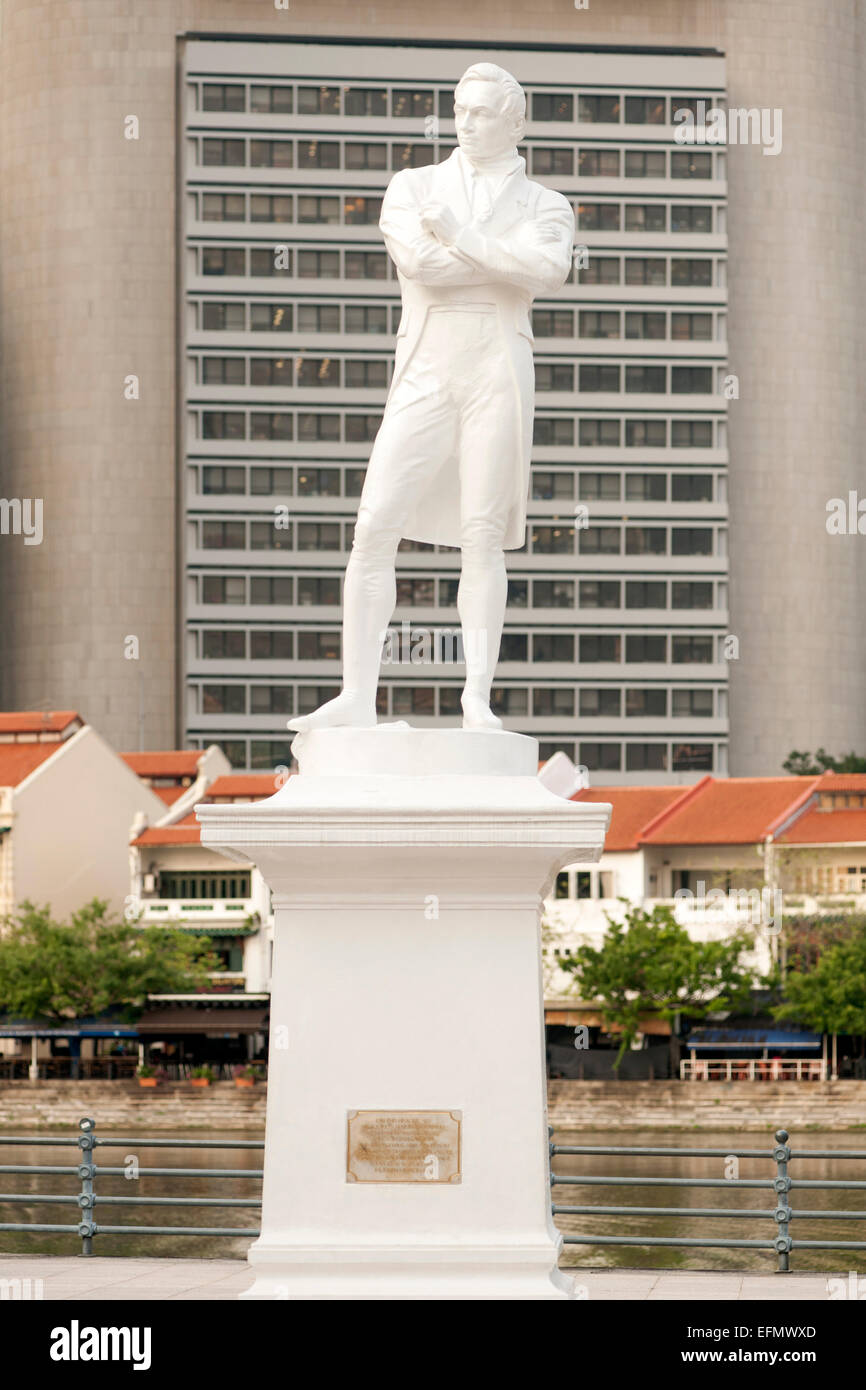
x=522, y=250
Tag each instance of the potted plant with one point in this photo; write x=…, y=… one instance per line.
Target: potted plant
x=245, y=1076
x=202, y=1076
x=146, y=1075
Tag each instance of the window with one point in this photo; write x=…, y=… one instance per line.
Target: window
x=599, y=646
x=691, y=540
x=227, y=152
x=645, y=110
x=319, y=646
x=317, y=372
x=600, y=703
x=412, y=156
x=646, y=757
x=223, y=424
x=318, y=318
x=222, y=317
x=318, y=535
x=646, y=540
x=599, y=323
x=318, y=265
x=265, y=535
x=366, y=318
x=601, y=757
x=313, y=208
x=597, y=377
x=645, y=270
x=223, y=588
x=599, y=487
x=271, y=424
x=644, y=379
x=558, y=701
x=364, y=101
x=270, y=482
x=223, y=96
x=598, y=217
x=553, y=646
x=416, y=104
x=553, y=106
x=223, y=371
x=315, y=428
x=223, y=260
x=271, y=645
x=366, y=373
x=601, y=540
x=553, y=593
x=645, y=217
x=278, y=154
x=227, y=644
x=509, y=700
x=217, y=480
x=645, y=487
x=223, y=699
x=270, y=371
x=645, y=593
x=361, y=429
x=640, y=325
x=601, y=270
x=693, y=704
x=271, y=99
x=518, y=593
x=271, y=318
x=641, y=704
x=599, y=434
x=644, y=164
x=691, y=594
x=554, y=376
x=361, y=212
x=225, y=207
x=598, y=108
x=598, y=593
x=277, y=207
x=685, y=272
x=271, y=589
x=318, y=482
x=553, y=430
x=366, y=265
x=686, y=649
x=552, y=540
x=554, y=159
x=645, y=647
x=223, y=535
x=270, y=699
x=314, y=591
x=553, y=323
x=318, y=101
x=691, y=434
x=688, y=164
x=415, y=593
x=692, y=380
x=551, y=483
x=599, y=164
x=515, y=647
x=691, y=217
x=311, y=696
x=691, y=327
x=367, y=155
x=648, y=434
x=692, y=757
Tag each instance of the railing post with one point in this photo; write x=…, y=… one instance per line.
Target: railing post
x=783, y=1213
x=86, y=1172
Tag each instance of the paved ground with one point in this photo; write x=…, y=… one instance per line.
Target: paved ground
x=74, y=1278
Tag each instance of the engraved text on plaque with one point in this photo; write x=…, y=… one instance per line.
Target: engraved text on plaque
x=403, y=1146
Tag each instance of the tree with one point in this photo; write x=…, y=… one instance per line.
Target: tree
x=805, y=765
x=54, y=971
x=829, y=994
x=649, y=963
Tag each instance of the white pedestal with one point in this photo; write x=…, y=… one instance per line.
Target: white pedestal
x=407, y=869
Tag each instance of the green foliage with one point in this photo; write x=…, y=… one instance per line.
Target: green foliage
x=648, y=963
x=805, y=765
x=828, y=994
x=53, y=970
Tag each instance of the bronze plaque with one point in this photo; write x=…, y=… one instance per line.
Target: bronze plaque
x=403, y=1146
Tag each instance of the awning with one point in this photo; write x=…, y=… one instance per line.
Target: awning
x=73, y=1029
x=755, y=1039
x=213, y=1021
x=591, y=1018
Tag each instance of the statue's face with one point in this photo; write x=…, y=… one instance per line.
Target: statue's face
x=484, y=131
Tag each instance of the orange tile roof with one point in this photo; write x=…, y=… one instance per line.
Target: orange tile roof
x=729, y=811
x=842, y=782
x=818, y=827
x=37, y=721
x=245, y=784
x=633, y=808
x=17, y=760
x=175, y=763
x=186, y=832
x=169, y=794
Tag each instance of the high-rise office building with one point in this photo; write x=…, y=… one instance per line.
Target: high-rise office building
x=197, y=319
x=617, y=612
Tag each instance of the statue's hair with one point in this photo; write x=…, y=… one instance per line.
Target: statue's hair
x=514, y=97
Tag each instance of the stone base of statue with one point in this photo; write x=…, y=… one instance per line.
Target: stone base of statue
x=407, y=1148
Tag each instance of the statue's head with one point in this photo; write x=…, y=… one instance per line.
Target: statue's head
x=489, y=111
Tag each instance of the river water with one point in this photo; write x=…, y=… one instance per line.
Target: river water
x=683, y=1223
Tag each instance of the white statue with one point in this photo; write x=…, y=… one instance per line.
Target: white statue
x=473, y=240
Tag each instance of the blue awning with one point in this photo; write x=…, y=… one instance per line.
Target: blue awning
x=723, y=1039
x=74, y=1029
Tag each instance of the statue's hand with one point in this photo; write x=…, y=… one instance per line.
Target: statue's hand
x=438, y=219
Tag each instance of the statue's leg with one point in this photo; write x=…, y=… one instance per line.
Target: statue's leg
x=481, y=597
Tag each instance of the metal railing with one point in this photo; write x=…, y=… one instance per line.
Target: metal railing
x=781, y=1184
x=88, y=1199
x=753, y=1069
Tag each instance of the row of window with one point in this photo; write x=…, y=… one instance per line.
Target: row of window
x=269, y=262
x=362, y=210
x=357, y=156
x=547, y=484
x=418, y=103
x=281, y=533
x=351, y=428
x=306, y=316
x=512, y=701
